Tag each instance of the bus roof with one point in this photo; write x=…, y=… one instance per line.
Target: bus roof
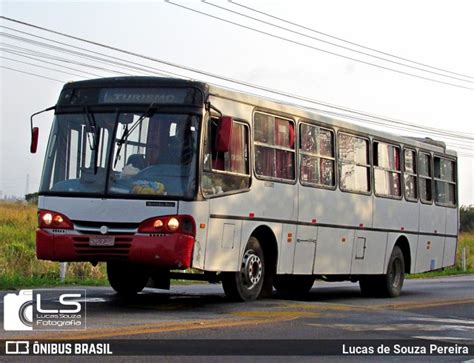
x=320, y=115
x=264, y=102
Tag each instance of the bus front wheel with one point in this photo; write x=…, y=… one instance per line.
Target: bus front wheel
x=390, y=284
x=246, y=284
x=126, y=279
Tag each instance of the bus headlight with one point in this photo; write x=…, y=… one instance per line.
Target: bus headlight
x=173, y=224
x=47, y=218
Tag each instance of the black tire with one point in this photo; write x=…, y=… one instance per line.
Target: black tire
x=390, y=284
x=246, y=284
x=127, y=279
x=293, y=285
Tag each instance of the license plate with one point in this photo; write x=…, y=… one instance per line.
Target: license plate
x=102, y=241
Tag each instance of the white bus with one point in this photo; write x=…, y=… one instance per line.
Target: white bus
x=157, y=175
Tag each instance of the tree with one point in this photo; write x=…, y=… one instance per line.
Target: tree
x=466, y=218
x=32, y=198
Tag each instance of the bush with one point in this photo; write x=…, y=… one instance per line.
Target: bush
x=466, y=214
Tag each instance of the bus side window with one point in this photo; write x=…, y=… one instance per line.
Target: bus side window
x=274, y=140
x=445, y=181
x=317, y=156
x=387, y=171
x=425, y=173
x=226, y=171
x=354, y=167
x=411, y=190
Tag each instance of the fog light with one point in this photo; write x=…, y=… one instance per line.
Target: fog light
x=173, y=224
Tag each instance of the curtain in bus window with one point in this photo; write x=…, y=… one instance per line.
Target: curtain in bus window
x=265, y=160
x=354, y=177
x=353, y=156
x=263, y=128
x=237, y=163
x=284, y=137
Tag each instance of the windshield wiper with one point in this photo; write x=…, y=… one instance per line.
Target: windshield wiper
x=92, y=125
x=149, y=112
x=94, y=142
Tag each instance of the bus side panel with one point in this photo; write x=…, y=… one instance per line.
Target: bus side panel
x=286, y=249
x=368, y=248
x=223, y=245
x=396, y=214
x=305, y=249
x=334, y=251
x=449, y=258
x=336, y=208
x=430, y=253
x=450, y=243
x=431, y=247
x=200, y=213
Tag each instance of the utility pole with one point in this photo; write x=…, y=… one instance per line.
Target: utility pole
x=27, y=188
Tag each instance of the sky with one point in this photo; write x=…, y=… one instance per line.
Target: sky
x=437, y=33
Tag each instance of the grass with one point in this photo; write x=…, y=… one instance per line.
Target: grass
x=20, y=268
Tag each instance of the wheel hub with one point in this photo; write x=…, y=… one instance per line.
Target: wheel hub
x=252, y=269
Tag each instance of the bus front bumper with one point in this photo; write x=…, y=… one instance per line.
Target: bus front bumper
x=173, y=251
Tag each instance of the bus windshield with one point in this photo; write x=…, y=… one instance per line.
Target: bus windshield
x=122, y=154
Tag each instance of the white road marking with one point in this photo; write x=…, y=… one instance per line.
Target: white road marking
x=449, y=321
x=426, y=337
x=394, y=327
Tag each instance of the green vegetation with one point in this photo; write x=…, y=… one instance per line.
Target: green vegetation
x=20, y=268
x=466, y=215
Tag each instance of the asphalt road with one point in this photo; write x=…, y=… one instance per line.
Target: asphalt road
x=429, y=310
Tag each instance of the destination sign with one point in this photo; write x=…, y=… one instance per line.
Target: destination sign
x=146, y=95
x=131, y=95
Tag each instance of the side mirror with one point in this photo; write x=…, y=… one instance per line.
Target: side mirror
x=35, y=130
x=34, y=139
x=224, y=134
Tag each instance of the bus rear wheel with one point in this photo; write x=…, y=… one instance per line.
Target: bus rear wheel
x=293, y=285
x=246, y=284
x=390, y=284
x=125, y=278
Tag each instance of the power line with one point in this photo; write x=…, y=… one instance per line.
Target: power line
x=44, y=61
x=345, y=40
x=318, y=49
x=261, y=88
x=36, y=65
x=140, y=68
x=49, y=46
x=32, y=74
x=331, y=43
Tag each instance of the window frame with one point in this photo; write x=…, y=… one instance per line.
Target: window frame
x=258, y=143
x=413, y=200
x=369, y=159
x=202, y=171
x=430, y=177
x=334, y=158
x=399, y=172
x=455, y=171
